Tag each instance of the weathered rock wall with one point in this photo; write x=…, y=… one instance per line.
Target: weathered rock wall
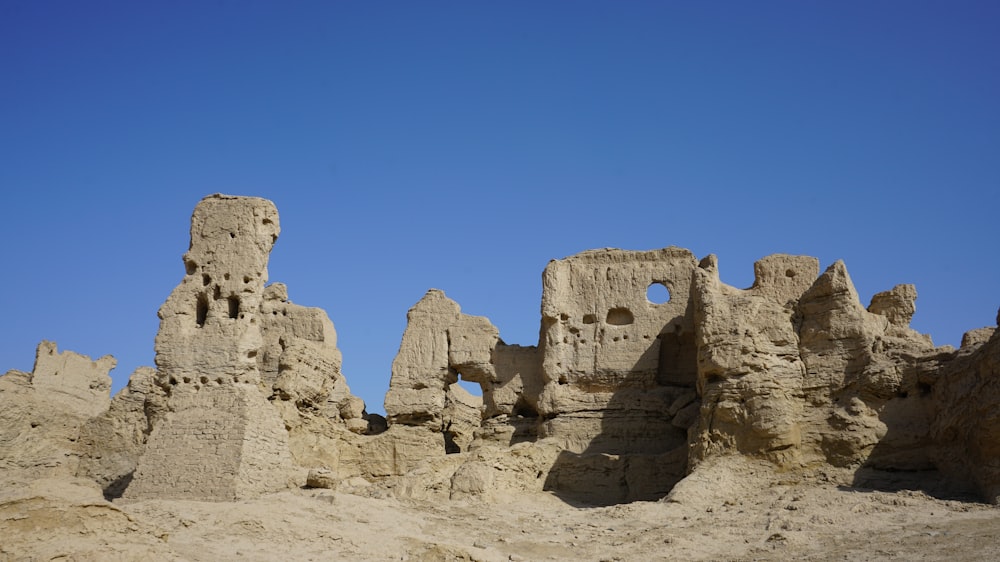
x=623, y=396
x=220, y=439
x=750, y=374
x=965, y=416
x=802, y=373
x=43, y=412
x=221, y=442
x=114, y=441
x=618, y=372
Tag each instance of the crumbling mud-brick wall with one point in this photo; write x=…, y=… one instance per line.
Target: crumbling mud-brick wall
x=611, y=382
x=618, y=372
x=625, y=392
x=218, y=443
x=42, y=413
x=634, y=391
x=221, y=439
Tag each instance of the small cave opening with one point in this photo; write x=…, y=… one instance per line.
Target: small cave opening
x=523, y=409
x=658, y=293
x=620, y=316
x=450, y=446
x=234, y=306
x=201, y=310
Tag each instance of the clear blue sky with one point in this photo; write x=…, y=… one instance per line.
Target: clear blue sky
x=462, y=145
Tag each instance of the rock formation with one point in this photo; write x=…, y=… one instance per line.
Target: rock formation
x=625, y=395
x=965, y=418
x=220, y=439
x=227, y=344
x=42, y=412
x=114, y=441
x=618, y=372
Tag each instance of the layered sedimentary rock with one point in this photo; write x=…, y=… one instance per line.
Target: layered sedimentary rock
x=301, y=370
x=439, y=341
x=427, y=412
x=42, y=412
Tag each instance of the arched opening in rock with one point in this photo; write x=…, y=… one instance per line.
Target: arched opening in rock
x=234, y=306
x=658, y=293
x=201, y=310
x=473, y=388
x=462, y=414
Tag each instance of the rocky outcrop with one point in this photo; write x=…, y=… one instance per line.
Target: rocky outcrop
x=797, y=371
x=965, y=417
x=626, y=394
x=301, y=367
x=751, y=377
x=114, y=441
x=220, y=439
x=66, y=518
x=648, y=370
x=42, y=412
x=618, y=372
x=440, y=346
x=252, y=381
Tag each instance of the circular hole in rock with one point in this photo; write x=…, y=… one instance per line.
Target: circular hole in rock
x=658, y=293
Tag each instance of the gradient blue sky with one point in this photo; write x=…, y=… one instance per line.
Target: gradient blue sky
x=462, y=145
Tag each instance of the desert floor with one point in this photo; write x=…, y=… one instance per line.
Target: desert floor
x=780, y=522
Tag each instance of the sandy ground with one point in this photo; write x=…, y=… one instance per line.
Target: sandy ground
x=779, y=522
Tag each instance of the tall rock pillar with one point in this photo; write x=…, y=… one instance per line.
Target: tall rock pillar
x=221, y=439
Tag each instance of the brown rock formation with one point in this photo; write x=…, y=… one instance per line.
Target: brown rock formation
x=625, y=395
x=965, y=417
x=42, y=412
x=220, y=440
x=114, y=441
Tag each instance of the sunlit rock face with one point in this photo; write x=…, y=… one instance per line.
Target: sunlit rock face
x=628, y=392
x=648, y=368
x=618, y=370
x=221, y=439
x=42, y=413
